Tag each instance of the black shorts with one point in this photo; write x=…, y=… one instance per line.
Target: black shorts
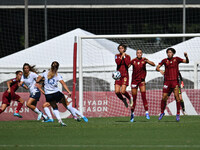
x=36, y=95
x=58, y=96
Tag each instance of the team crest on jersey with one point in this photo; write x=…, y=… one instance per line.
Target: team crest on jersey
x=14, y=80
x=174, y=60
x=134, y=62
x=125, y=79
x=142, y=62
x=138, y=63
x=170, y=62
x=115, y=57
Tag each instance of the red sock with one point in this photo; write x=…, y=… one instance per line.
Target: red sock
x=163, y=105
x=178, y=104
x=127, y=95
x=1, y=111
x=119, y=95
x=19, y=107
x=134, y=103
x=144, y=100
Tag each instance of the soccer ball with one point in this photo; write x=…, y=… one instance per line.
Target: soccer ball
x=116, y=75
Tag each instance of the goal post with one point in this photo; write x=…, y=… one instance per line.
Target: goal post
x=83, y=41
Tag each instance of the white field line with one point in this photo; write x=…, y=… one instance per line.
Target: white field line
x=107, y=146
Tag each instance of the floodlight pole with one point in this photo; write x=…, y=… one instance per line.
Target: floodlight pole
x=26, y=24
x=184, y=18
x=45, y=19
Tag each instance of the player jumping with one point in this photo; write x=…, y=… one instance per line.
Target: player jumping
x=171, y=79
x=138, y=80
x=122, y=60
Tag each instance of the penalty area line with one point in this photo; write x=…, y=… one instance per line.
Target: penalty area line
x=107, y=146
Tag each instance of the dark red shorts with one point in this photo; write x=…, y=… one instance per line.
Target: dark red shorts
x=135, y=84
x=122, y=81
x=7, y=97
x=170, y=85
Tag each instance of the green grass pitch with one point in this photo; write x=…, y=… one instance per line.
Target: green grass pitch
x=103, y=133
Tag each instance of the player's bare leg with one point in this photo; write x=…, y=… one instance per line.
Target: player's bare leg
x=119, y=95
x=3, y=108
x=163, y=105
x=143, y=94
x=32, y=105
x=176, y=94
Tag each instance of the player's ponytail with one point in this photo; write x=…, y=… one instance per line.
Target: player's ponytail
x=53, y=70
x=31, y=68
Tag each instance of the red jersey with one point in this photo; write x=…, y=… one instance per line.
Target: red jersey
x=14, y=85
x=139, y=69
x=171, y=68
x=122, y=64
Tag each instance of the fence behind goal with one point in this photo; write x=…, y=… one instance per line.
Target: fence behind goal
x=96, y=87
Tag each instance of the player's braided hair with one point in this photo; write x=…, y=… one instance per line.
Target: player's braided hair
x=53, y=70
x=31, y=68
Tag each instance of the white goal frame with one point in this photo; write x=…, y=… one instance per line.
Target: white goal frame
x=133, y=36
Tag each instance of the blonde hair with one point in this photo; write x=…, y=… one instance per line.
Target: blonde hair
x=53, y=70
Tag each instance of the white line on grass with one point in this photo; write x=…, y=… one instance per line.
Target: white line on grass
x=107, y=146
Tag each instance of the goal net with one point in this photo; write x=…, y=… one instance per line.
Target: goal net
x=96, y=96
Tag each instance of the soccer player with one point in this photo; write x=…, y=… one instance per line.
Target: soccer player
x=171, y=79
x=10, y=94
x=75, y=113
x=122, y=60
x=52, y=92
x=138, y=80
x=29, y=79
x=181, y=85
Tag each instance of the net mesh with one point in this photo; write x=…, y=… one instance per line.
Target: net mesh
x=99, y=99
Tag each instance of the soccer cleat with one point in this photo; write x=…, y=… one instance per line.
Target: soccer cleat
x=161, y=116
x=147, y=116
x=132, y=118
x=77, y=119
x=177, y=118
x=85, y=119
x=49, y=120
x=39, y=116
x=125, y=102
x=17, y=115
x=131, y=102
x=184, y=112
x=62, y=124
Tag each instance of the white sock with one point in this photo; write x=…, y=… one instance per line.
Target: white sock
x=37, y=110
x=56, y=112
x=147, y=112
x=78, y=113
x=71, y=109
x=47, y=111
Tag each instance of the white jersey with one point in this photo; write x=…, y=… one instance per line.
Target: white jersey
x=30, y=81
x=51, y=85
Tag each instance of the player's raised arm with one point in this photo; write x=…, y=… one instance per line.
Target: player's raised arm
x=149, y=62
x=186, y=60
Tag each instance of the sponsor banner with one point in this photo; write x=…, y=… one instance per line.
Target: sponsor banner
x=106, y=104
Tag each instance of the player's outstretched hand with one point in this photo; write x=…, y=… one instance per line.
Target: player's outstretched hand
x=69, y=94
x=185, y=54
x=162, y=72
